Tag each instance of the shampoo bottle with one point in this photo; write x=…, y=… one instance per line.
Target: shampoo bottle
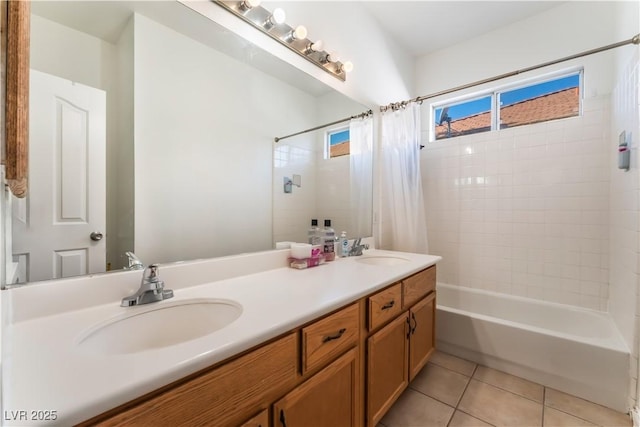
x=329, y=241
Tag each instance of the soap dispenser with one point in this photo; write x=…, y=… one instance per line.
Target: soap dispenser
x=343, y=247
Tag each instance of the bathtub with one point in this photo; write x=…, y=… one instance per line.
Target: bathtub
x=574, y=350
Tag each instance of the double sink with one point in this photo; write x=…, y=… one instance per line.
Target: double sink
x=153, y=326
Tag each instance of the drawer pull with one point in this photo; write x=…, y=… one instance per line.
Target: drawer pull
x=336, y=336
x=282, y=420
x=389, y=305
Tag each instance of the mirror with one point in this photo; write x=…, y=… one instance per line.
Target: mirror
x=151, y=130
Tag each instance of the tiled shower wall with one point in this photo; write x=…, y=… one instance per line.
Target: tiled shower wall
x=624, y=277
x=524, y=211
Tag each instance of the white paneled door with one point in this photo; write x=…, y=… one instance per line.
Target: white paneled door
x=59, y=229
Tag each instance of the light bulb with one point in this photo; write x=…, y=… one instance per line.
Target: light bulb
x=316, y=46
x=347, y=67
x=250, y=4
x=278, y=16
x=299, y=33
x=333, y=57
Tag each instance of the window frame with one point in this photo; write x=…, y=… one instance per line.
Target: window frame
x=495, y=91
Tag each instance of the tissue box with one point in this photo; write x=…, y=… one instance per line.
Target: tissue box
x=306, y=262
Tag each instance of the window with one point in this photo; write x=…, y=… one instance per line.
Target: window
x=337, y=143
x=555, y=99
x=464, y=118
x=536, y=102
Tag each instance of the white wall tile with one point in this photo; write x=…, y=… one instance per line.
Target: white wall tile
x=539, y=197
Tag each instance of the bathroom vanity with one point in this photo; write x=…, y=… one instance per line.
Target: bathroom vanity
x=333, y=345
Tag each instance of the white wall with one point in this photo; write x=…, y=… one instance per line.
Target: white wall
x=202, y=131
x=71, y=54
x=383, y=71
x=624, y=203
x=525, y=210
x=120, y=158
x=561, y=31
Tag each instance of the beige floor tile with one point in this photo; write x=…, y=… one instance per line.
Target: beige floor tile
x=555, y=418
x=460, y=419
x=499, y=407
x=414, y=409
x=452, y=362
x=510, y=383
x=584, y=409
x=440, y=383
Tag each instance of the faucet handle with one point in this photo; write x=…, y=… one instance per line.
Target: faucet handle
x=151, y=273
x=151, y=279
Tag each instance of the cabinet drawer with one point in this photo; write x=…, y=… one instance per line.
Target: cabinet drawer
x=225, y=396
x=326, y=339
x=384, y=306
x=418, y=285
x=260, y=420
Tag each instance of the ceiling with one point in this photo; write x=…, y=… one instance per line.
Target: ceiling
x=422, y=27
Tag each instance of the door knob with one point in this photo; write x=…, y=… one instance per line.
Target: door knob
x=96, y=236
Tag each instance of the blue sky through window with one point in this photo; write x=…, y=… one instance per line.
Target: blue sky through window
x=482, y=105
x=465, y=109
x=517, y=95
x=339, y=137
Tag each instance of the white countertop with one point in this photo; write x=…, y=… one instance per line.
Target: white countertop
x=45, y=370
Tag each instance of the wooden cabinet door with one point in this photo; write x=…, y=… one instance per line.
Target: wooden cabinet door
x=327, y=399
x=387, y=370
x=422, y=341
x=224, y=396
x=260, y=420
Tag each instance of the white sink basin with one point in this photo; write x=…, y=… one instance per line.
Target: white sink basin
x=153, y=326
x=382, y=260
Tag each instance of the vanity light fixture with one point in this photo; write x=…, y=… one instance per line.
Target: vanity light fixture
x=295, y=39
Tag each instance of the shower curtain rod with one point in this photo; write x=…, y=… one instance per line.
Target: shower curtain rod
x=346, y=119
x=634, y=40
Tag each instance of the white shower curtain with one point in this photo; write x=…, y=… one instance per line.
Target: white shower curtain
x=361, y=176
x=404, y=221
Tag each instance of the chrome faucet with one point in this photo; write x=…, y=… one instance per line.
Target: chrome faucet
x=151, y=289
x=134, y=261
x=357, y=248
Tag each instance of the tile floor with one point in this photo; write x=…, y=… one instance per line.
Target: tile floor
x=457, y=393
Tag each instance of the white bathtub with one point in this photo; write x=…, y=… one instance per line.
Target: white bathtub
x=574, y=350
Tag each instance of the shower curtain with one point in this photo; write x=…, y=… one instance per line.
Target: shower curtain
x=361, y=176
x=404, y=222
